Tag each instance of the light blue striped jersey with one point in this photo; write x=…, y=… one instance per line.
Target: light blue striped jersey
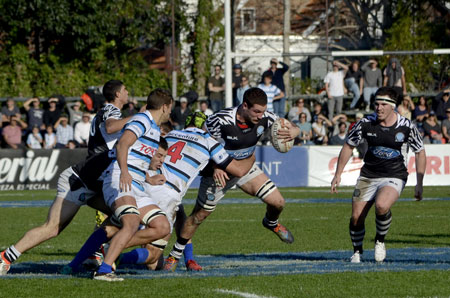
x=189, y=152
x=271, y=91
x=146, y=145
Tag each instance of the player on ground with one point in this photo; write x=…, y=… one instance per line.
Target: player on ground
x=383, y=176
x=189, y=152
x=239, y=129
x=77, y=185
x=125, y=177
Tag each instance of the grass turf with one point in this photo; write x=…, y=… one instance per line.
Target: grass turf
x=234, y=229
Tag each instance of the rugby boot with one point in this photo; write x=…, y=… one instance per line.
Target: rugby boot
x=109, y=277
x=170, y=264
x=4, y=264
x=356, y=257
x=380, y=251
x=281, y=231
x=192, y=265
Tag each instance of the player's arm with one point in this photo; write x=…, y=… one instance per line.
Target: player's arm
x=126, y=140
x=344, y=156
x=114, y=125
x=240, y=167
x=421, y=163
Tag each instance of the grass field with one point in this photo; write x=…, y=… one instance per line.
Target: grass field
x=242, y=259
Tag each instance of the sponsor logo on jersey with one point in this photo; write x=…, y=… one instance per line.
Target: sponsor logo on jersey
x=242, y=153
x=259, y=130
x=399, y=137
x=370, y=134
x=147, y=149
x=233, y=138
x=384, y=152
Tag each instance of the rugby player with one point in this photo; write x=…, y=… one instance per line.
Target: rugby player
x=78, y=185
x=189, y=152
x=239, y=129
x=383, y=175
x=124, y=178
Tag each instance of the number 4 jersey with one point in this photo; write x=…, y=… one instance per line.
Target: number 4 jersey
x=189, y=152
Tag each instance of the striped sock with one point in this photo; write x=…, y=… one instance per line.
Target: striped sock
x=357, y=237
x=382, y=222
x=11, y=254
x=270, y=222
x=178, y=248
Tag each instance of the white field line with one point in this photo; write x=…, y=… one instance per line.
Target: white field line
x=242, y=294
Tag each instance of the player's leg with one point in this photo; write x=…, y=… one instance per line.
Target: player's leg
x=387, y=195
x=190, y=262
x=59, y=216
x=262, y=187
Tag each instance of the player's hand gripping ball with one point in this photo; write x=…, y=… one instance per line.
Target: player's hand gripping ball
x=278, y=142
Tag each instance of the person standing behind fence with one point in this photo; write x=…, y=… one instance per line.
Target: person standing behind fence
x=241, y=90
x=372, y=80
x=394, y=76
x=334, y=85
x=277, y=80
x=35, y=115
x=237, y=79
x=216, y=86
x=354, y=82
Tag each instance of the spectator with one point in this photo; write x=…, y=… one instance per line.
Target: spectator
x=295, y=111
x=203, y=104
x=34, y=139
x=441, y=104
x=49, y=138
x=10, y=109
x=432, y=129
x=306, y=135
x=53, y=113
x=421, y=111
x=64, y=132
x=241, y=90
x=334, y=85
x=237, y=79
x=35, y=115
x=354, y=82
x=319, y=128
x=339, y=139
x=336, y=121
x=12, y=133
x=372, y=80
x=75, y=113
x=273, y=92
x=277, y=80
x=317, y=111
x=82, y=129
x=216, y=86
x=130, y=109
x=180, y=113
x=72, y=144
x=406, y=107
x=394, y=76
x=446, y=126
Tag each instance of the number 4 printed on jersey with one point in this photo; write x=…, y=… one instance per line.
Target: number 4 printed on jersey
x=175, y=151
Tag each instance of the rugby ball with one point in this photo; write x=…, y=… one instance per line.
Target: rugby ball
x=278, y=143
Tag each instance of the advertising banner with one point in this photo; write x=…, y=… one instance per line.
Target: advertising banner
x=323, y=160
x=35, y=169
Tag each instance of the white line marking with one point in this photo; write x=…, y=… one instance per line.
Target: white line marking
x=242, y=294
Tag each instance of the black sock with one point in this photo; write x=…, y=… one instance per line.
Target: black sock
x=382, y=222
x=357, y=236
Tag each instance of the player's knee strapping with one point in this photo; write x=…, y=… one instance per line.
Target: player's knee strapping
x=124, y=210
x=383, y=222
x=151, y=215
x=266, y=189
x=160, y=244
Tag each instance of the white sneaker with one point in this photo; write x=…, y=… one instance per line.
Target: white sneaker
x=4, y=266
x=356, y=258
x=380, y=251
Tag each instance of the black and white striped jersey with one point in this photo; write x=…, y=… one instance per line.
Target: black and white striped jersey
x=239, y=140
x=99, y=139
x=387, y=146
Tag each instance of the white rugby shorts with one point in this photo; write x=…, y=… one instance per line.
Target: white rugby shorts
x=70, y=188
x=366, y=188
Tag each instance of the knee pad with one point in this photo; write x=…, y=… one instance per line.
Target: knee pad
x=266, y=189
x=152, y=214
x=160, y=244
x=124, y=210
